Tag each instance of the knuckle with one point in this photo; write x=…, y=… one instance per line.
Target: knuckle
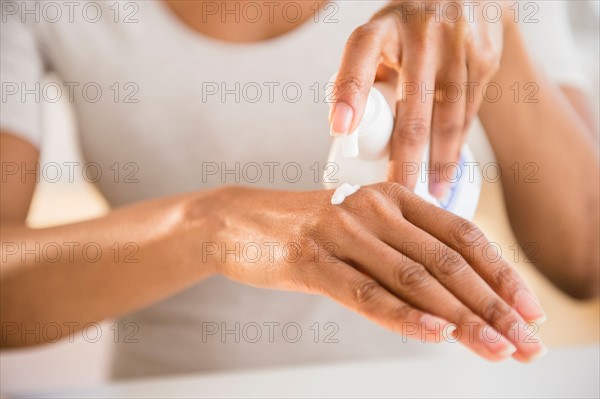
x=411, y=275
x=461, y=36
x=367, y=199
x=448, y=130
x=389, y=16
x=449, y=263
x=393, y=190
x=464, y=316
x=411, y=204
x=404, y=313
x=505, y=278
x=349, y=86
x=495, y=311
x=464, y=233
x=412, y=131
x=371, y=201
x=364, y=292
x=369, y=30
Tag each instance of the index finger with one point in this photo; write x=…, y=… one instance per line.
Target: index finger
x=355, y=77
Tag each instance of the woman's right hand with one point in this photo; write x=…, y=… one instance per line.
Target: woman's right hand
x=384, y=253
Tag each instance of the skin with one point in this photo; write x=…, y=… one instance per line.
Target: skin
x=395, y=285
x=419, y=51
x=403, y=44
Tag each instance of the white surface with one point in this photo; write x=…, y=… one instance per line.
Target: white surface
x=569, y=373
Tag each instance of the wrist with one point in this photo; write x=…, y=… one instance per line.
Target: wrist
x=203, y=221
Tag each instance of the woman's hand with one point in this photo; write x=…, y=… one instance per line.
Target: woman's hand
x=444, y=47
x=384, y=253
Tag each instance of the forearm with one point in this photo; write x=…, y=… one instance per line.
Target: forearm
x=556, y=208
x=102, y=268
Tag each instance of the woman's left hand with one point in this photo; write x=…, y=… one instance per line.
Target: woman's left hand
x=440, y=54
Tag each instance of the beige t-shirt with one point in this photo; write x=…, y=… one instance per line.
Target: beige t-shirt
x=177, y=111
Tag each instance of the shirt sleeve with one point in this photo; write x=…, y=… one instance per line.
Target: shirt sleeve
x=549, y=38
x=22, y=70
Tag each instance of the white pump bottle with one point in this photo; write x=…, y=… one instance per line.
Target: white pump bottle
x=362, y=158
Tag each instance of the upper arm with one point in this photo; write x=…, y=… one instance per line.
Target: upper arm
x=19, y=174
x=22, y=68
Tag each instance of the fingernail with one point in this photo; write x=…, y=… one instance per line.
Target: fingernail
x=543, y=352
x=528, y=359
x=530, y=345
x=530, y=308
x=501, y=347
x=431, y=323
x=449, y=330
x=438, y=189
x=341, y=119
x=436, y=329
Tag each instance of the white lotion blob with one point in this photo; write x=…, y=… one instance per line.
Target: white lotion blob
x=343, y=191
